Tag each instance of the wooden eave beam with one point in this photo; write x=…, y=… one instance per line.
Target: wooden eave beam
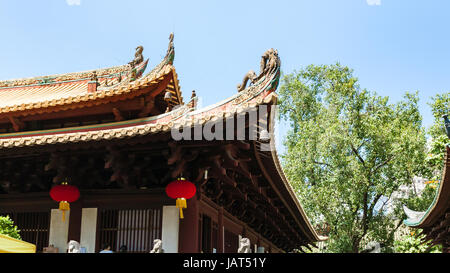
x=162, y=85
x=217, y=162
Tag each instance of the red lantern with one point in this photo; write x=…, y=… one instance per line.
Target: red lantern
x=181, y=190
x=64, y=194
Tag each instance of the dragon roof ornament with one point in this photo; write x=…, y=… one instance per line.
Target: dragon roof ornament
x=270, y=63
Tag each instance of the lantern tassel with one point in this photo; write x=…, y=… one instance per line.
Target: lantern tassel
x=181, y=204
x=64, y=206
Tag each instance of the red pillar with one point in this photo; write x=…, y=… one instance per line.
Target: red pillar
x=188, y=229
x=75, y=221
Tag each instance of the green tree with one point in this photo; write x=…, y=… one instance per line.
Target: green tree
x=7, y=227
x=412, y=241
x=440, y=105
x=347, y=151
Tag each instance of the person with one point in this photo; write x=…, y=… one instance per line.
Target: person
x=106, y=248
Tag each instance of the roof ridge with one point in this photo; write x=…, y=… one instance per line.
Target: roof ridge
x=86, y=74
x=70, y=76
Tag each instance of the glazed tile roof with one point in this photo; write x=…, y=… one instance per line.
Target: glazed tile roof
x=184, y=115
x=42, y=94
x=52, y=91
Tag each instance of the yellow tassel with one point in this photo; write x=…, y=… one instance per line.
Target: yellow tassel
x=64, y=206
x=181, y=204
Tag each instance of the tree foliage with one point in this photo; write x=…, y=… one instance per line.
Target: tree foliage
x=7, y=227
x=412, y=242
x=347, y=151
x=440, y=105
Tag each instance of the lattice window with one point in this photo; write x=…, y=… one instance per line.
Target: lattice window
x=34, y=227
x=134, y=228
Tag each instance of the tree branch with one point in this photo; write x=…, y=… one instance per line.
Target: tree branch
x=383, y=163
x=357, y=154
x=321, y=163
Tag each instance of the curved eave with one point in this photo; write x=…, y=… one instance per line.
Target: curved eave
x=441, y=201
x=181, y=116
x=178, y=98
x=309, y=230
x=271, y=166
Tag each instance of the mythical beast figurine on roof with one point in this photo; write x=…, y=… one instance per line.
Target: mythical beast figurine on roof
x=269, y=62
x=138, y=57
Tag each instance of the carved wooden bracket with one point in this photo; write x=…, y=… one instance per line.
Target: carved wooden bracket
x=119, y=162
x=17, y=124
x=149, y=105
x=117, y=114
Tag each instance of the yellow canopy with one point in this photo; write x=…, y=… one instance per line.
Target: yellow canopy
x=11, y=245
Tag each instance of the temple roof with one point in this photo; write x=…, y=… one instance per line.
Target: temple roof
x=68, y=91
x=260, y=92
x=183, y=115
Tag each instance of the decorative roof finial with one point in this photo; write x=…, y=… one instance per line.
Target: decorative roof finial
x=269, y=63
x=170, y=55
x=93, y=83
x=138, y=57
x=193, y=102
x=170, y=41
x=94, y=76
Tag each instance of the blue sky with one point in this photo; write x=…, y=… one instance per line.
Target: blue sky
x=393, y=46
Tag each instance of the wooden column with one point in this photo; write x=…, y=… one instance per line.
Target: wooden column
x=221, y=231
x=188, y=240
x=75, y=221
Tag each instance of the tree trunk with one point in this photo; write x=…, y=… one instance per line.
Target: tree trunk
x=355, y=244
